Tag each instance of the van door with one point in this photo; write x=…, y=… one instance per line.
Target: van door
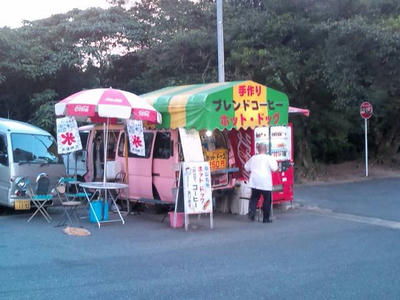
x=139, y=168
x=4, y=171
x=96, y=148
x=164, y=158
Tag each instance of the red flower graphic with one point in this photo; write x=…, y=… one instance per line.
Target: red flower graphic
x=68, y=138
x=136, y=141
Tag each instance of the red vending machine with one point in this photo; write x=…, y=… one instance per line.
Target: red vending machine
x=279, y=140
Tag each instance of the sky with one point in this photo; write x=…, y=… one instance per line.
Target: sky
x=13, y=12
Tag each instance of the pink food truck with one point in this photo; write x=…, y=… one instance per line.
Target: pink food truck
x=154, y=175
x=216, y=112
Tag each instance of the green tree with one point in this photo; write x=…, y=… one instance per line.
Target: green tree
x=327, y=55
x=361, y=63
x=64, y=53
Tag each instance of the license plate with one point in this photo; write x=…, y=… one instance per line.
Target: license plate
x=22, y=204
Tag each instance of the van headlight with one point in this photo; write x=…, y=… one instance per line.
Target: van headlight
x=21, y=183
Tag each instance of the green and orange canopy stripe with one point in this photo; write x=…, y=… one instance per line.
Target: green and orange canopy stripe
x=228, y=105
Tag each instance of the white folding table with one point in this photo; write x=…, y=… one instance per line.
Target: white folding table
x=105, y=188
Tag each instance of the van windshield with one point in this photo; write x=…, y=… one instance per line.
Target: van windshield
x=34, y=148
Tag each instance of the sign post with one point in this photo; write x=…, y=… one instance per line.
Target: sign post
x=366, y=111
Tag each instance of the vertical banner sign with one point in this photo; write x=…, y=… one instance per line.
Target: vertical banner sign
x=135, y=137
x=197, y=187
x=68, y=139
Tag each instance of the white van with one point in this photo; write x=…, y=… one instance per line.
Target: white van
x=25, y=151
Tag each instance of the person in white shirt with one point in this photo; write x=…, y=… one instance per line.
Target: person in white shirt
x=260, y=166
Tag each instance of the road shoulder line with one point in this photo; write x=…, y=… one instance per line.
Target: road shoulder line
x=352, y=218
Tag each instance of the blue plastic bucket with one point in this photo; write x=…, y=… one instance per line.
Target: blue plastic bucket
x=105, y=211
x=98, y=210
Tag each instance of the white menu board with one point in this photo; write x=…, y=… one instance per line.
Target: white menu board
x=281, y=142
x=197, y=187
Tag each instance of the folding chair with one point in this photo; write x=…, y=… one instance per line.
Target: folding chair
x=40, y=196
x=68, y=201
x=72, y=191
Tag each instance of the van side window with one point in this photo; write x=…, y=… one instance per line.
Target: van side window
x=162, y=145
x=148, y=142
x=3, y=151
x=81, y=154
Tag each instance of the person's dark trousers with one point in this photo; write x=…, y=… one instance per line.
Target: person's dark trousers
x=255, y=196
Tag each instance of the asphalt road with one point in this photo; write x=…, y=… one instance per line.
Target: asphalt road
x=304, y=254
x=379, y=198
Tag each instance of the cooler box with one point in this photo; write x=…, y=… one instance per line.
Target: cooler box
x=240, y=201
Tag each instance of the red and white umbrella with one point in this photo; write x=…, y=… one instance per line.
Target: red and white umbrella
x=96, y=104
x=105, y=105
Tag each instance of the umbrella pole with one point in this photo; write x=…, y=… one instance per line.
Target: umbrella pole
x=68, y=164
x=76, y=165
x=126, y=180
x=104, y=152
x=105, y=130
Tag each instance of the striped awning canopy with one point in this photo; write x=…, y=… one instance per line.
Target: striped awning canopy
x=228, y=105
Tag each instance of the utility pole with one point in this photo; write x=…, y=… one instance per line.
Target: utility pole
x=220, y=41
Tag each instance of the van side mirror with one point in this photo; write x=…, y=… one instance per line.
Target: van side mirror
x=172, y=148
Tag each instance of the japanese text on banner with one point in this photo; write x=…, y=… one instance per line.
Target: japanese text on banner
x=135, y=136
x=218, y=159
x=250, y=104
x=197, y=188
x=68, y=139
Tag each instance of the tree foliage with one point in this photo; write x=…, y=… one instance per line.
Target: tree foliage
x=327, y=55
